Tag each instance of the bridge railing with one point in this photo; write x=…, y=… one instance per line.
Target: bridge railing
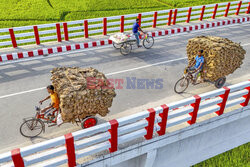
x=84, y=28
x=107, y=137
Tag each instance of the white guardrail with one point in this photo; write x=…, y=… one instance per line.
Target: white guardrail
x=68, y=149
x=84, y=28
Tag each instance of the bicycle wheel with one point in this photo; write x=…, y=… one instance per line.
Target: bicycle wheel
x=116, y=46
x=125, y=49
x=148, y=42
x=220, y=82
x=31, y=128
x=181, y=85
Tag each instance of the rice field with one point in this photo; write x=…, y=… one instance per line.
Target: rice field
x=15, y=13
x=237, y=157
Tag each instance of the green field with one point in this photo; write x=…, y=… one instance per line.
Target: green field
x=238, y=157
x=15, y=13
x=30, y=12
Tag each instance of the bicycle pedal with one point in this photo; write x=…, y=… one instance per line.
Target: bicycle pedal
x=37, y=108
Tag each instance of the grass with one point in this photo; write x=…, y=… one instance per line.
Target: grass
x=237, y=157
x=15, y=13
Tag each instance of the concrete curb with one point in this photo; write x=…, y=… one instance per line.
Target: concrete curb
x=59, y=49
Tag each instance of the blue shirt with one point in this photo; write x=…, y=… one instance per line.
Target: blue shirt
x=135, y=27
x=199, y=60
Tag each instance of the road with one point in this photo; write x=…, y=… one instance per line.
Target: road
x=22, y=84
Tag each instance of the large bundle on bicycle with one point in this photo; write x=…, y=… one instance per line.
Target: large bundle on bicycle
x=119, y=37
x=82, y=91
x=222, y=56
x=124, y=41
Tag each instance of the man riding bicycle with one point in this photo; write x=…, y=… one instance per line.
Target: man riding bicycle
x=54, y=105
x=197, y=65
x=136, y=29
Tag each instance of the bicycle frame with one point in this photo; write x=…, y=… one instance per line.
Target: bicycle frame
x=188, y=76
x=41, y=116
x=36, y=124
x=133, y=42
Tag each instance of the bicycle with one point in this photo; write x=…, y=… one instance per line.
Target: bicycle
x=182, y=84
x=126, y=46
x=34, y=126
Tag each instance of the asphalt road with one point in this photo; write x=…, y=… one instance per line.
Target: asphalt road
x=22, y=84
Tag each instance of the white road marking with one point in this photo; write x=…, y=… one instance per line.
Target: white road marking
x=146, y=66
x=245, y=44
x=113, y=73
x=101, y=47
x=19, y=93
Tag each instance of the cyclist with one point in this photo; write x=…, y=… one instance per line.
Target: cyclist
x=136, y=29
x=197, y=65
x=54, y=105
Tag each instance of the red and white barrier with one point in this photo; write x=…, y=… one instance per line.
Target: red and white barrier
x=164, y=118
x=69, y=148
x=59, y=49
x=151, y=122
x=224, y=100
x=155, y=20
x=65, y=30
x=36, y=35
x=114, y=135
x=17, y=158
x=189, y=15
x=71, y=29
